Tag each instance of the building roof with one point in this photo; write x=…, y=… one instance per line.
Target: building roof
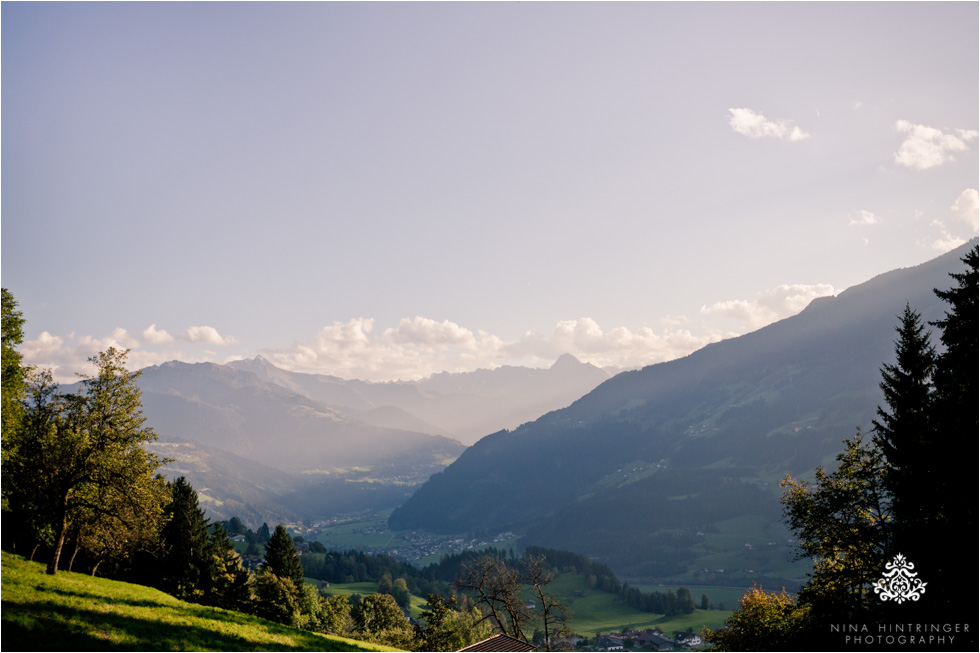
x=501, y=643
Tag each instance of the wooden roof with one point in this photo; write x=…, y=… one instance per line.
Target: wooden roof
x=501, y=644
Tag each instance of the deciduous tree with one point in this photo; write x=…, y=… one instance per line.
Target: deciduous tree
x=84, y=455
x=764, y=621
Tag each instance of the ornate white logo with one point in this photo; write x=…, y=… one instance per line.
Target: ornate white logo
x=899, y=582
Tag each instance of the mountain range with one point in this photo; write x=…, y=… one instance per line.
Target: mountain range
x=464, y=406
x=672, y=471
x=267, y=444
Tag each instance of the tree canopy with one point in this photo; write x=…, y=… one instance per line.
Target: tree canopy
x=82, y=455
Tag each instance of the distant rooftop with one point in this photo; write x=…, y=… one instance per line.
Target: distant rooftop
x=501, y=643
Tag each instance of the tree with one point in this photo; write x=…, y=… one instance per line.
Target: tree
x=276, y=598
x=12, y=392
x=384, y=583
x=843, y=522
x=496, y=587
x=904, y=432
x=84, y=454
x=229, y=582
x=185, y=567
x=378, y=618
x=120, y=527
x=554, y=614
x=685, y=601
x=399, y=590
x=14, y=374
x=948, y=466
x=499, y=588
x=281, y=558
x=335, y=616
x=764, y=621
x=449, y=626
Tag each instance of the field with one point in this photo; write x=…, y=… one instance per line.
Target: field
x=76, y=612
x=598, y=612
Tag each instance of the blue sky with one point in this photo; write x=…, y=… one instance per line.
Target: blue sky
x=384, y=191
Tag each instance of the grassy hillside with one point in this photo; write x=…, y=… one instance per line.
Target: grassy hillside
x=75, y=612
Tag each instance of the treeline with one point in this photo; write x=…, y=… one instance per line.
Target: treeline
x=668, y=603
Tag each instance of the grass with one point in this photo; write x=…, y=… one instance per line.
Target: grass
x=76, y=612
x=597, y=612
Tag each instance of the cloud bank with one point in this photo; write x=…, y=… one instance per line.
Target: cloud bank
x=418, y=347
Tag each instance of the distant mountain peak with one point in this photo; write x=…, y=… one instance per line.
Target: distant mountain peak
x=566, y=361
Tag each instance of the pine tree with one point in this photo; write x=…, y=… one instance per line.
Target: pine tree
x=951, y=479
x=185, y=568
x=904, y=432
x=281, y=558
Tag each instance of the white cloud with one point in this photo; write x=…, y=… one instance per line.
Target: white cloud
x=755, y=125
x=946, y=240
x=966, y=208
x=927, y=147
x=419, y=347
x=423, y=332
x=771, y=305
x=156, y=337
x=863, y=218
x=66, y=357
x=206, y=334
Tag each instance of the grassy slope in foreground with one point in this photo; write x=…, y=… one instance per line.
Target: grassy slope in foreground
x=76, y=612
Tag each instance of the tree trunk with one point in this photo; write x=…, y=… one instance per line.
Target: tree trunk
x=74, y=553
x=60, y=541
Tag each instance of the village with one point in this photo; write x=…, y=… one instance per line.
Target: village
x=650, y=639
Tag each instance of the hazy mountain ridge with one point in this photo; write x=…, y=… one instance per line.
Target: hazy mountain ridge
x=703, y=438
x=234, y=426
x=218, y=406
x=464, y=405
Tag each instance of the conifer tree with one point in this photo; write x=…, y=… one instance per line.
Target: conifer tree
x=904, y=432
x=186, y=552
x=281, y=558
x=952, y=474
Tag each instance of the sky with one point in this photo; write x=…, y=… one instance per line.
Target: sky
x=384, y=191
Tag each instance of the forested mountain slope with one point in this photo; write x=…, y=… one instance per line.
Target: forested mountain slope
x=642, y=471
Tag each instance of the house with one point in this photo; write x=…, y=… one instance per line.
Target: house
x=501, y=643
x=607, y=643
x=689, y=639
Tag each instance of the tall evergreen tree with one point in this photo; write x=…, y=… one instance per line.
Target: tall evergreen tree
x=904, y=432
x=184, y=569
x=281, y=558
x=952, y=476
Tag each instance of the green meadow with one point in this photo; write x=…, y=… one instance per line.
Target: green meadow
x=77, y=612
x=598, y=612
